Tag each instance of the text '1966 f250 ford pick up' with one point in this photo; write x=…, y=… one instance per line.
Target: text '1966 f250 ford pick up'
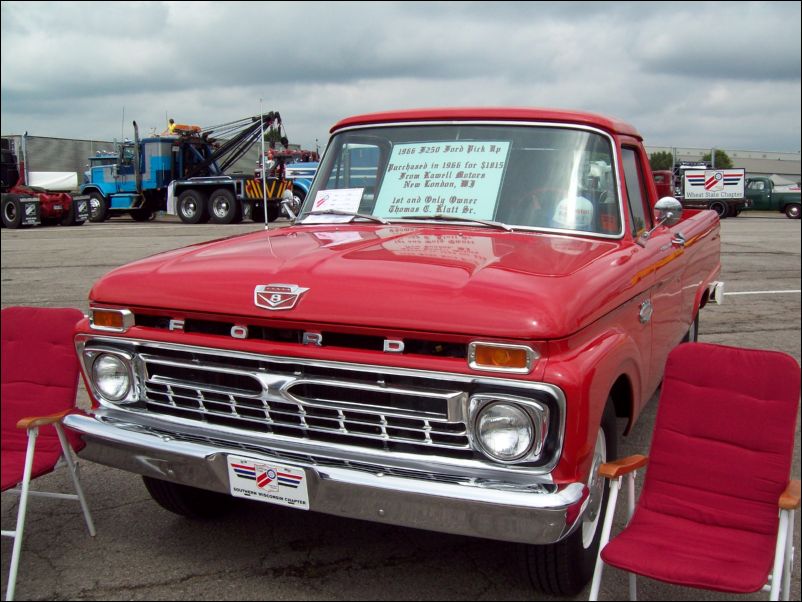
x=443, y=338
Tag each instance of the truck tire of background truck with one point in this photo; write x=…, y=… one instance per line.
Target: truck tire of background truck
x=192, y=207
x=98, y=208
x=19, y=210
x=721, y=208
x=793, y=210
x=224, y=208
x=12, y=211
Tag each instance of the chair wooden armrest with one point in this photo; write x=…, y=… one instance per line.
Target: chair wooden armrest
x=789, y=500
x=34, y=421
x=618, y=468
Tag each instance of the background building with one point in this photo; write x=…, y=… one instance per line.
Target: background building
x=759, y=163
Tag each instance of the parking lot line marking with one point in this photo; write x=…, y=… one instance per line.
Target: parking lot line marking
x=765, y=292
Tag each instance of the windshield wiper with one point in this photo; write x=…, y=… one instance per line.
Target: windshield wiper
x=455, y=218
x=372, y=218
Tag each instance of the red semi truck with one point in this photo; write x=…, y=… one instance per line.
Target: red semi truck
x=25, y=205
x=443, y=339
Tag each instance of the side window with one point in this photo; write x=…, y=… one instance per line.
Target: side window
x=356, y=167
x=127, y=155
x=755, y=185
x=636, y=192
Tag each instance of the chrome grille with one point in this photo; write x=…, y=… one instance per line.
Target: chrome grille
x=353, y=408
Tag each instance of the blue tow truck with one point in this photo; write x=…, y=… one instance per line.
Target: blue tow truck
x=183, y=172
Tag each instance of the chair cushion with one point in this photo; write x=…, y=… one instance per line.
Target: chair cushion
x=685, y=552
x=39, y=377
x=13, y=464
x=719, y=461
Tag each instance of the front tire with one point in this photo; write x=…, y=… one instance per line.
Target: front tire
x=187, y=501
x=566, y=567
x=98, y=209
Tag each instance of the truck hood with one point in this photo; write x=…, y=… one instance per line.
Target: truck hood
x=435, y=279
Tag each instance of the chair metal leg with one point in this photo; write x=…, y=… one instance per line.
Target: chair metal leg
x=777, y=576
x=788, y=565
x=633, y=578
x=73, y=468
x=23, y=507
x=615, y=486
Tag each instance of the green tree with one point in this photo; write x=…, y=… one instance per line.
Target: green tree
x=661, y=160
x=723, y=160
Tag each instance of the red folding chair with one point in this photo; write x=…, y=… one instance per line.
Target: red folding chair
x=39, y=386
x=717, y=507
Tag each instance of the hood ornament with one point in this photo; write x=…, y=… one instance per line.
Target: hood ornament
x=277, y=296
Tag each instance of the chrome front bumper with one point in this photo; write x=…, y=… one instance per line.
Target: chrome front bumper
x=499, y=511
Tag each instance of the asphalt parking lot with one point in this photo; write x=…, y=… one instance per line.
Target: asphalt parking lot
x=142, y=552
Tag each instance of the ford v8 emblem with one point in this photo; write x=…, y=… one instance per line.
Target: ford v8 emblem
x=277, y=296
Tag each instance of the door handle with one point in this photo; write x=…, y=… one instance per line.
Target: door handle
x=646, y=311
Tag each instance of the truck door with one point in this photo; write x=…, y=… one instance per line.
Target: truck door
x=759, y=192
x=661, y=309
x=124, y=178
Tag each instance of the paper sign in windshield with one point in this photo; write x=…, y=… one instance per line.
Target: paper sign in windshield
x=461, y=179
x=344, y=199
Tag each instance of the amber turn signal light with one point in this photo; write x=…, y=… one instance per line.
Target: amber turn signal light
x=115, y=320
x=500, y=357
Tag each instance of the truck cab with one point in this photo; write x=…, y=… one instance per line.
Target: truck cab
x=124, y=182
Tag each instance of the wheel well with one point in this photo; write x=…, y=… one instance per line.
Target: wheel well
x=621, y=394
x=705, y=299
x=93, y=190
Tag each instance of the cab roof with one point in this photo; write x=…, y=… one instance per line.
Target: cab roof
x=612, y=125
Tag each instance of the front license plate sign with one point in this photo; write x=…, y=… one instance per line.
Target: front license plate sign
x=256, y=479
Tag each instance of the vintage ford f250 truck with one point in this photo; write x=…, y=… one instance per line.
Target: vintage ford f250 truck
x=443, y=339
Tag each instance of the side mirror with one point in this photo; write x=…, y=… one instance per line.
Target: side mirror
x=289, y=204
x=667, y=212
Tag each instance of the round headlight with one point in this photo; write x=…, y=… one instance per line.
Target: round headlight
x=111, y=376
x=504, y=431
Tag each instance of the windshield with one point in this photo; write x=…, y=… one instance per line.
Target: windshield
x=536, y=177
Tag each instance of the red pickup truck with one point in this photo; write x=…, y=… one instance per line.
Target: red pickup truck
x=443, y=339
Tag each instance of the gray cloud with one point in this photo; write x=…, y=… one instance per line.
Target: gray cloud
x=686, y=74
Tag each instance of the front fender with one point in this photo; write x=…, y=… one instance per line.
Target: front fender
x=588, y=367
x=303, y=184
x=92, y=188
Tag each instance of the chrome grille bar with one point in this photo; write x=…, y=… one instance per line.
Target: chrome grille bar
x=304, y=407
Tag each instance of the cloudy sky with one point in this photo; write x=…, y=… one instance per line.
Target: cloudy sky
x=697, y=74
